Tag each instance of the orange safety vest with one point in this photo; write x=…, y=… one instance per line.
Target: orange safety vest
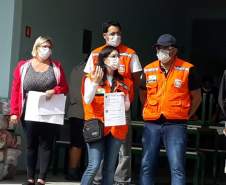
x=168, y=96
x=125, y=54
x=96, y=108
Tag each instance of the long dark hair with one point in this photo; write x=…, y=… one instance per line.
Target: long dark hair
x=105, y=52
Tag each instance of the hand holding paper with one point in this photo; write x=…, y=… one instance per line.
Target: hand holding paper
x=49, y=94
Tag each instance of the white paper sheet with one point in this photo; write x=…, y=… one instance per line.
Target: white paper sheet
x=56, y=105
x=41, y=110
x=114, y=109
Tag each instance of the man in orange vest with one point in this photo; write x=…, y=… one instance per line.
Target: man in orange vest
x=170, y=93
x=130, y=68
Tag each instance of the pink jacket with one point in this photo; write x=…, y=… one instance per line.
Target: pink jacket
x=17, y=94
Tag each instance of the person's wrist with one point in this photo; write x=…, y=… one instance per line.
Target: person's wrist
x=94, y=83
x=53, y=91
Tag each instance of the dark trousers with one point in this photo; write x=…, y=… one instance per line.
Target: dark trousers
x=40, y=138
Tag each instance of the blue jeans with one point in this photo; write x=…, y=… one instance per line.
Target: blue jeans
x=106, y=149
x=123, y=169
x=174, y=138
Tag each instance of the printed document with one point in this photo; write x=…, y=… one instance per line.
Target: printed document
x=114, y=109
x=40, y=109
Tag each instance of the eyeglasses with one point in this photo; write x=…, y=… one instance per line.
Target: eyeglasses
x=165, y=47
x=114, y=33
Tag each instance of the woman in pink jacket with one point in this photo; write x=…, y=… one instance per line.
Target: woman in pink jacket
x=42, y=74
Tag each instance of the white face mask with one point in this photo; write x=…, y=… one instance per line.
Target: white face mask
x=113, y=40
x=113, y=63
x=44, y=53
x=163, y=56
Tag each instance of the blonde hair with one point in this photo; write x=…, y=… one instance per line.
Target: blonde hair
x=40, y=40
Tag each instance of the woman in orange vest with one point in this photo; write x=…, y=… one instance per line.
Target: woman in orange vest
x=104, y=79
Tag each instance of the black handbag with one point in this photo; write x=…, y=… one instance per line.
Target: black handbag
x=93, y=130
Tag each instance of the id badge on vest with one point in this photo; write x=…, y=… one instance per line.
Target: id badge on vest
x=121, y=68
x=177, y=83
x=100, y=91
x=152, y=79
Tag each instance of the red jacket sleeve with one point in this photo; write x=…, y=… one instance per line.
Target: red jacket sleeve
x=15, y=92
x=62, y=87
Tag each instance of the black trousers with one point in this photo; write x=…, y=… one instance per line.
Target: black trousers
x=40, y=138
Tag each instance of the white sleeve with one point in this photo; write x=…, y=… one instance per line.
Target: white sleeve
x=135, y=65
x=89, y=64
x=89, y=90
x=127, y=102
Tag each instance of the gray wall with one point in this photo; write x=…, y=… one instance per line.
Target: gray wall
x=6, y=35
x=10, y=20
x=142, y=22
x=64, y=21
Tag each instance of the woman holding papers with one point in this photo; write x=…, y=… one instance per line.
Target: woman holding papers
x=104, y=79
x=41, y=74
